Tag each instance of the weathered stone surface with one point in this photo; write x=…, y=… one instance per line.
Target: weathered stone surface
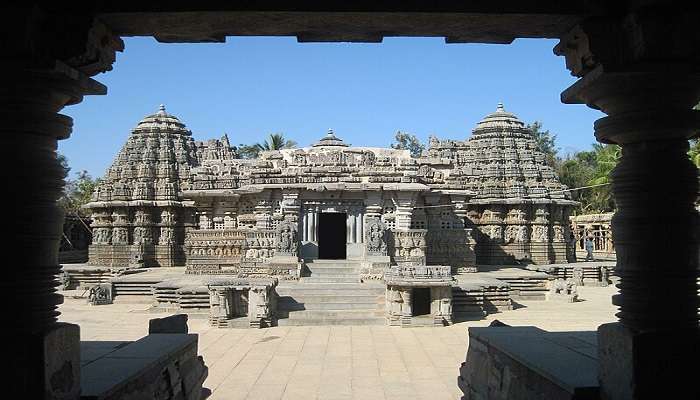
x=172, y=324
x=61, y=361
x=635, y=362
x=156, y=366
x=506, y=362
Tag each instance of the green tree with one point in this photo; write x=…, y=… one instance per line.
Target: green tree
x=78, y=192
x=248, y=151
x=587, y=168
x=63, y=161
x=694, y=152
x=407, y=141
x=546, y=142
x=275, y=141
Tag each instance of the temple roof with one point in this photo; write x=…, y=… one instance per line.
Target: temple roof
x=161, y=121
x=501, y=160
x=330, y=140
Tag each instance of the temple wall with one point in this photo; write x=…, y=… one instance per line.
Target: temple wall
x=534, y=233
x=149, y=236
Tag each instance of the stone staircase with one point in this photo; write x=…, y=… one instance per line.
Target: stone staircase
x=331, y=295
x=332, y=271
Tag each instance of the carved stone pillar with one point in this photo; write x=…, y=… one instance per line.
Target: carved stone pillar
x=404, y=209
x=291, y=206
x=647, y=84
x=460, y=210
x=263, y=211
x=47, y=64
x=373, y=205
x=406, y=309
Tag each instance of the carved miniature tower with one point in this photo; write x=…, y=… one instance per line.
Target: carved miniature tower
x=519, y=211
x=138, y=216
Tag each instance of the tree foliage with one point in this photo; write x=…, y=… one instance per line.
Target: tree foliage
x=76, y=192
x=275, y=141
x=694, y=152
x=407, y=141
x=546, y=142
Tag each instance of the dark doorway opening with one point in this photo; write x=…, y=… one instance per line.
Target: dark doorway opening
x=421, y=301
x=332, y=236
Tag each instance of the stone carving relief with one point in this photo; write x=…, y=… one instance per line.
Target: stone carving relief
x=375, y=237
x=287, y=238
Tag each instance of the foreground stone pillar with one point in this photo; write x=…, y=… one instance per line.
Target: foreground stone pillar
x=648, y=88
x=43, y=72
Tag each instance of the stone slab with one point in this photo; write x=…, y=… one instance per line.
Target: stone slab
x=561, y=358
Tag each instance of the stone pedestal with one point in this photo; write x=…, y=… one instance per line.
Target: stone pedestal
x=648, y=364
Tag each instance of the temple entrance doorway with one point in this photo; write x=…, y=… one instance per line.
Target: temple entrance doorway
x=332, y=236
x=420, y=301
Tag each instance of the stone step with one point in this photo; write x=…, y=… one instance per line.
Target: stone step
x=330, y=279
x=333, y=270
x=331, y=275
x=326, y=306
x=331, y=321
x=334, y=262
x=336, y=314
x=333, y=289
x=332, y=298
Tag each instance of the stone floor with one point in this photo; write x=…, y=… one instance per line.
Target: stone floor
x=344, y=362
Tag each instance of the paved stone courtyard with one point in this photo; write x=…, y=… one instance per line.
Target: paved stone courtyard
x=338, y=362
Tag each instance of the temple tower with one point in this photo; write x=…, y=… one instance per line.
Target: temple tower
x=139, y=218
x=519, y=211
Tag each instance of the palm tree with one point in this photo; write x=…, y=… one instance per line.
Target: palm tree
x=276, y=141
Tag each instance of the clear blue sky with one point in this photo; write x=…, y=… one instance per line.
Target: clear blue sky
x=250, y=87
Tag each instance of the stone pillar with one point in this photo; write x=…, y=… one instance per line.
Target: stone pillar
x=353, y=226
x=305, y=226
x=360, y=227
x=373, y=204
x=291, y=206
x=312, y=225
x=263, y=211
x=460, y=210
x=647, y=84
x=404, y=209
x=46, y=67
x=406, y=309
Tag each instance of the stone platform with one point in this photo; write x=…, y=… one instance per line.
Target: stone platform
x=330, y=295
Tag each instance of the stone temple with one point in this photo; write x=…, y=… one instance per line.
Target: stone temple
x=265, y=238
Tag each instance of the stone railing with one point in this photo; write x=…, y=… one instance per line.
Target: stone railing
x=419, y=273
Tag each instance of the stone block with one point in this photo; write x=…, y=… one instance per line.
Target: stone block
x=173, y=324
x=157, y=366
x=61, y=361
x=528, y=363
x=648, y=365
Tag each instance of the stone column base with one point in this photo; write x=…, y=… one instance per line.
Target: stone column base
x=49, y=363
x=648, y=365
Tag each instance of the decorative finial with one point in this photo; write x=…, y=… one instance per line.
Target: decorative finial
x=330, y=132
x=161, y=109
x=499, y=107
